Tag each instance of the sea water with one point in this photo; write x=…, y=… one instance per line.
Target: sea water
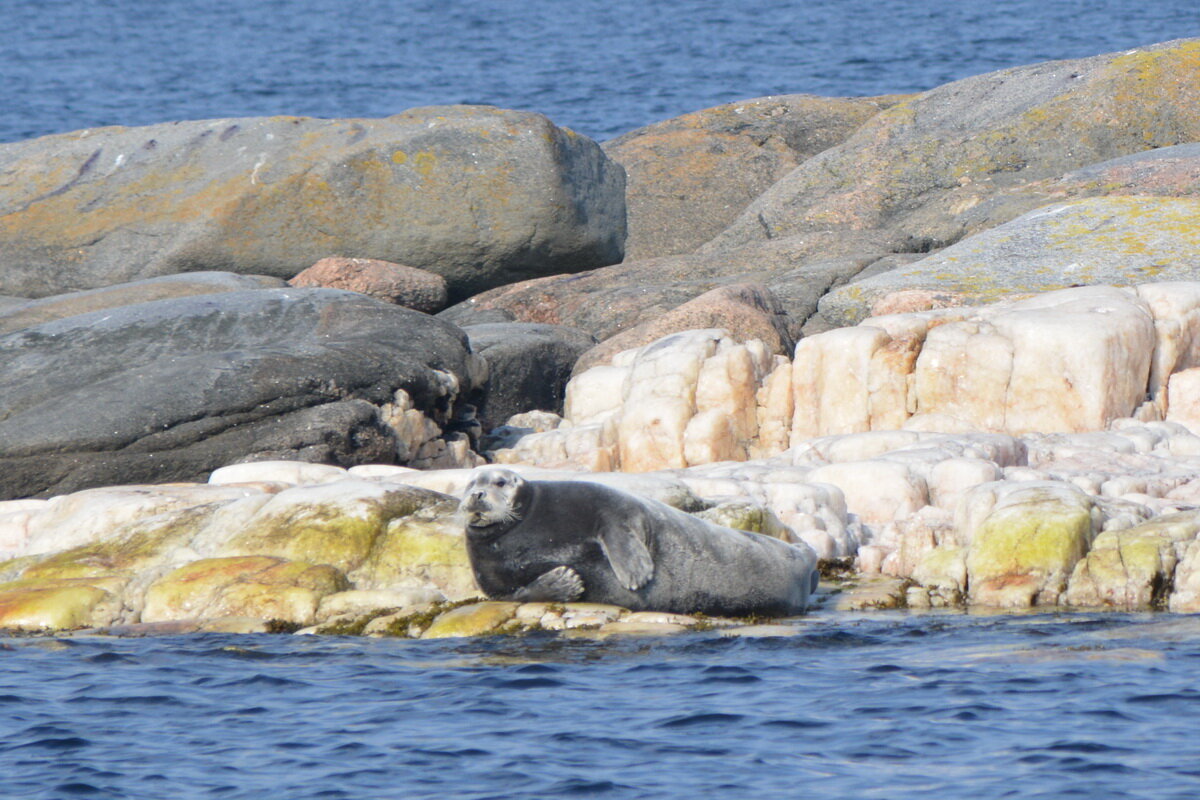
x=602, y=67
x=851, y=707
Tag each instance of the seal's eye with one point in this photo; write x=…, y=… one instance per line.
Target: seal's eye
x=501, y=482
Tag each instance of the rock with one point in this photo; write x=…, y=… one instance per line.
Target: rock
x=94, y=515
x=689, y=177
x=746, y=311
x=293, y=472
x=472, y=620
x=121, y=555
x=172, y=389
x=874, y=594
x=797, y=270
x=670, y=419
x=1069, y=361
x=330, y=523
x=383, y=536
x=1185, y=599
x=251, y=586
x=1062, y=361
x=943, y=574
x=480, y=195
x=1133, y=569
x=878, y=490
x=528, y=367
x=1024, y=550
x=62, y=605
x=746, y=516
x=1165, y=171
x=35, y=312
x=410, y=287
x=1183, y=399
x=364, y=601
x=626, y=628
x=921, y=171
x=1119, y=241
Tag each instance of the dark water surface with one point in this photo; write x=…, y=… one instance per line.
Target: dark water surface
x=600, y=66
x=883, y=706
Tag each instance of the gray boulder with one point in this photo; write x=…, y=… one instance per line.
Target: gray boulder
x=689, y=177
x=34, y=312
x=920, y=170
x=528, y=367
x=479, y=195
x=604, y=302
x=172, y=389
x=1115, y=241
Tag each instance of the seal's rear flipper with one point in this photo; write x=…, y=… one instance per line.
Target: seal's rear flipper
x=628, y=557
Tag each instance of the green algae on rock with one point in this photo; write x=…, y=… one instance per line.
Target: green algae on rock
x=1133, y=569
x=242, y=586
x=1023, y=552
x=56, y=605
x=471, y=620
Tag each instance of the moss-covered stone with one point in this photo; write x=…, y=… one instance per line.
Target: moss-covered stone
x=943, y=573
x=56, y=605
x=746, y=516
x=335, y=523
x=1025, y=549
x=1132, y=569
x=426, y=547
x=115, y=567
x=471, y=620
x=262, y=587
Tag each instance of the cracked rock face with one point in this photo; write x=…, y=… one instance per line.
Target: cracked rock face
x=172, y=389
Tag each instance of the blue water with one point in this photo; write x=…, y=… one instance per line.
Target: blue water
x=600, y=66
x=883, y=706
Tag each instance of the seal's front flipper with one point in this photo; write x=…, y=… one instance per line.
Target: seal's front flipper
x=559, y=585
x=628, y=557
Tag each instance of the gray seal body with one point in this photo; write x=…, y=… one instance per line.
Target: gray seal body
x=564, y=541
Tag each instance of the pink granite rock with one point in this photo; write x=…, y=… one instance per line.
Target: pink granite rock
x=393, y=283
x=746, y=310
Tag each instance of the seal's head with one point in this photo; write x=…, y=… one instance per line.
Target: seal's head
x=492, y=501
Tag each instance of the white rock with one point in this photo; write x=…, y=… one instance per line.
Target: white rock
x=294, y=472
x=876, y=491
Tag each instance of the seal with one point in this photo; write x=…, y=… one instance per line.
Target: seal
x=564, y=541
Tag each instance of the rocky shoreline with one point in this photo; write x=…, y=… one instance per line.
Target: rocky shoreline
x=949, y=340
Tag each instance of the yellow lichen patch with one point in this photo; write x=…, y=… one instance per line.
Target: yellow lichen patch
x=127, y=551
x=1024, y=552
x=427, y=548
x=338, y=526
x=472, y=620
x=60, y=605
x=744, y=516
x=424, y=162
x=247, y=586
x=1132, y=569
x=399, y=157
